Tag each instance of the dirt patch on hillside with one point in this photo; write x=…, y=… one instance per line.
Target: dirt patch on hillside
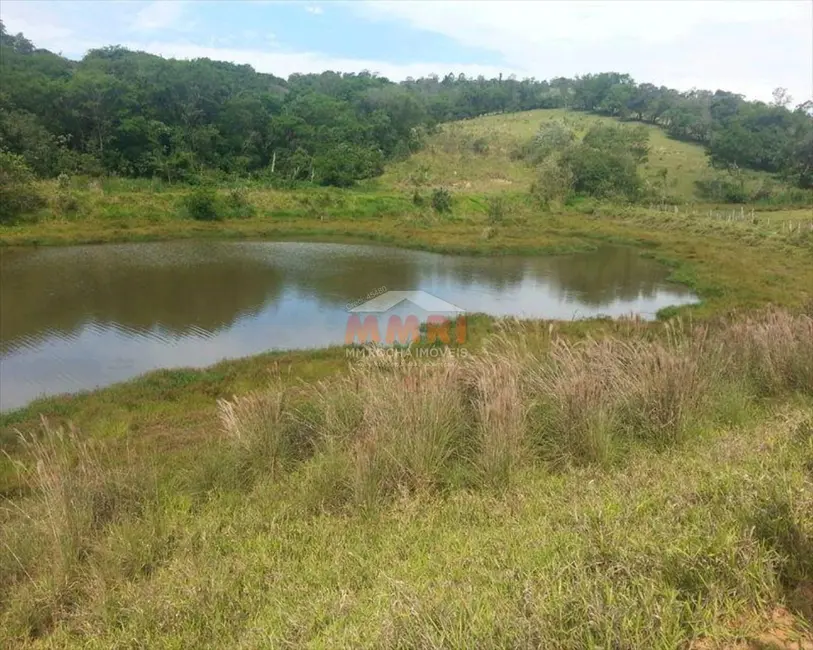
x=785, y=630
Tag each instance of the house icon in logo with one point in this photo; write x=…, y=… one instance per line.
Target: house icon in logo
x=421, y=299
x=398, y=315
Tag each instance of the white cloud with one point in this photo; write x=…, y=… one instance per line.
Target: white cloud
x=284, y=63
x=40, y=25
x=746, y=47
x=159, y=14
x=314, y=9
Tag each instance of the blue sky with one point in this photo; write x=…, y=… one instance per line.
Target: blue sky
x=744, y=46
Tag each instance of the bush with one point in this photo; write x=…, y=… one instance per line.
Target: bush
x=603, y=172
x=554, y=182
x=346, y=163
x=722, y=187
x=18, y=194
x=553, y=136
x=442, y=200
x=609, y=137
x=604, y=164
x=201, y=204
x=63, y=182
x=480, y=146
x=237, y=204
x=496, y=210
x=66, y=202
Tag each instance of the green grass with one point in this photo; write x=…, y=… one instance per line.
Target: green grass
x=450, y=159
x=309, y=518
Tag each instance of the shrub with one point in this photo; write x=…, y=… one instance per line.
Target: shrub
x=496, y=210
x=603, y=172
x=480, y=146
x=604, y=164
x=553, y=136
x=722, y=187
x=633, y=141
x=238, y=204
x=442, y=200
x=18, y=194
x=554, y=182
x=66, y=202
x=63, y=181
x=346, y=163
x=317, y=203
x=201, y=203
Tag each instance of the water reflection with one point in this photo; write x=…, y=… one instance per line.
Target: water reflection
x=79, y=317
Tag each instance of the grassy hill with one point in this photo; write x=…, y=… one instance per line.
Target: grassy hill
x=478, y=155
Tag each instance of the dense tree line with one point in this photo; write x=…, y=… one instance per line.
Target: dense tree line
x=135, y=114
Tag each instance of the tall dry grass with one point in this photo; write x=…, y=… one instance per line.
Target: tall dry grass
x=774, y=350
x=262, y=433
x=74, y=490
x=393, y=426
x=500, y=419
x=404, y=426
x=411, y=424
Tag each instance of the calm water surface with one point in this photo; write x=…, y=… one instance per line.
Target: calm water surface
x=86, y=316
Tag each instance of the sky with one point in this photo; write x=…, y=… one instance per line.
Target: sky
x=749, y=47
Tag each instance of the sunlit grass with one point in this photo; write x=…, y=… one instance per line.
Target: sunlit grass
x=459, y=503
x=478, y=156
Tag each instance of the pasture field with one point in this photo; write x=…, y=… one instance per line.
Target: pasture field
x=479, y=156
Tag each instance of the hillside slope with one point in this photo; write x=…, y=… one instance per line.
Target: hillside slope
x=478, y=155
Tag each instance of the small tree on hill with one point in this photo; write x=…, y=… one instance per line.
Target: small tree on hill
x=18, y=193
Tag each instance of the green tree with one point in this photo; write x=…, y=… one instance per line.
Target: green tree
x=18, y=193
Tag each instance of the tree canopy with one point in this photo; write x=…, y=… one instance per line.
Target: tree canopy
x=136, y=114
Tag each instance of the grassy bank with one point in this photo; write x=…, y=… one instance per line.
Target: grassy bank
x=732, y=257
x=651, y=489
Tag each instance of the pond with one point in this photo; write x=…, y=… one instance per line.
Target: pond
x=81, y=317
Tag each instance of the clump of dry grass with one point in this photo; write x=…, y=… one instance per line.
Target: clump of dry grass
x=571, y=391
x=774, y=350
x=664, y=385
x=260, y=429
x=74, y=491
x=501, y=415
x=412, y=424
x=399, y=423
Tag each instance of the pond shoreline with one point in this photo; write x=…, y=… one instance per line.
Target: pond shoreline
x=126, y=309
x=729, y=267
